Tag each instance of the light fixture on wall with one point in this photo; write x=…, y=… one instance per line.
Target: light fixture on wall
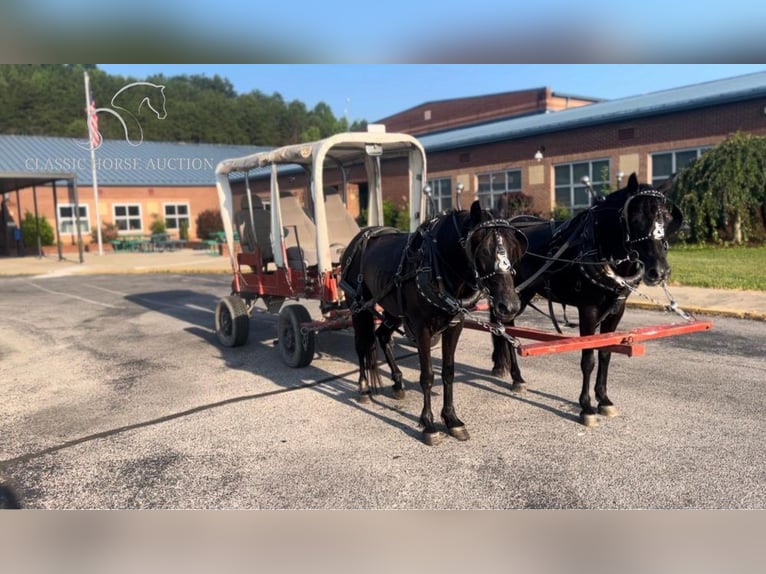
x=459, y=189
x=539, y=153
x=620, y=175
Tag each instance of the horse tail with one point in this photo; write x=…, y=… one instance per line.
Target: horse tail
x=367, y=351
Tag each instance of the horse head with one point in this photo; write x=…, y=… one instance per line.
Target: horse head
x=494, y=246
x=155, y=101
x=640, y=233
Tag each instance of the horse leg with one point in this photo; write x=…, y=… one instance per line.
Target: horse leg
x=430, y=435
x=505, y=360
x=588, y=321
x=605, y=406
x=366, y=350
x=455, y=426
x=383, y=333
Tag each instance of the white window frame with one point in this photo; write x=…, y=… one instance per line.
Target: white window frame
x=576, y=189
x=659, y=178
x=499, y=182
x=441, y=191
x=177, y=217
x=71, y=221
x=128, y=217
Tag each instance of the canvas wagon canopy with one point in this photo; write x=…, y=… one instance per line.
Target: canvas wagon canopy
x=340, y=151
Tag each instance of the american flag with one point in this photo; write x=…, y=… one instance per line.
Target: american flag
x=95, y=135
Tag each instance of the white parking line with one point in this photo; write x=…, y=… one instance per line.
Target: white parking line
x=84, y=299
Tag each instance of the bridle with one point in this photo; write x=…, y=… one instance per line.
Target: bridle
x=503, y=265
x=657, y=231
x=434, y=261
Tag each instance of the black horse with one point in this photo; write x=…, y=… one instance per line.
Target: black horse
x=428, y=280
x=593, y=261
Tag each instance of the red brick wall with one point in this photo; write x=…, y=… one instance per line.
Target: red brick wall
x=151, y=199
x=644, y=136
x=442, y=115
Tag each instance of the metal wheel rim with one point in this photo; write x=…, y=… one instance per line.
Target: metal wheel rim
x=227, y=325
x=288, y=339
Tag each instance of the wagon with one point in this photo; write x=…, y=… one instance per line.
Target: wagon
x=293, y=229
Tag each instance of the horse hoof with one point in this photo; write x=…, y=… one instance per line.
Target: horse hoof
x=433, y=438
x=607, y=410
x=460, y=433
x=365, y=398
x=519, y=388
x=399, y=394
x=589, y=420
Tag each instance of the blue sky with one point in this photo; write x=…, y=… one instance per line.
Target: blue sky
x=394, y=31
x=373, y=92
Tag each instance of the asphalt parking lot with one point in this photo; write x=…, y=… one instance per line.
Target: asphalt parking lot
x=117, y=395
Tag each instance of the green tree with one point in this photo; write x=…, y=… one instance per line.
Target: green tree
x=48, y=99
x=208, y=223
x=723, y=193
x=29, y=227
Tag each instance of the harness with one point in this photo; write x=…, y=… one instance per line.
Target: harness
x=593, y=264
x=423, y=262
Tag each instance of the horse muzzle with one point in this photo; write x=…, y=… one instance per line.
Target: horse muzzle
x=656, y=274
x=506, y=310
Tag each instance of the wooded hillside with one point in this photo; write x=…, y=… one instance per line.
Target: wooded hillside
x=49, y=99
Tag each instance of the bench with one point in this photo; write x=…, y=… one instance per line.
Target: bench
x=162, y=241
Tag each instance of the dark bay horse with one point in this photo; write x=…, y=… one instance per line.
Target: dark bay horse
x=593, y=261
x=427, y=280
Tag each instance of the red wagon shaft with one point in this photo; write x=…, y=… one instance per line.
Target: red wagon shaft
x=625, y=342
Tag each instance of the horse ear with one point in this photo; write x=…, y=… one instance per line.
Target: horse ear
x=675, y=223
x=667, y=184
x=476, y=212
x=522, y=239
x=633, y=183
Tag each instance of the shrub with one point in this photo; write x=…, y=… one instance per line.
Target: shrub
x=561, y=212
x=183, y=231
x=109, y=232
x=158, y=225
x=519, y=204
x=392, y=216
x=209, y=222
x=29, y=227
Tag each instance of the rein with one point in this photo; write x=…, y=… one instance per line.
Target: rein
x=441, y=297
x=608, y=278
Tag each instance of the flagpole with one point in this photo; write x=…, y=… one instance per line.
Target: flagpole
x=91, y=135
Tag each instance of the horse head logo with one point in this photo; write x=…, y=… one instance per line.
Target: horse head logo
x=130, y=98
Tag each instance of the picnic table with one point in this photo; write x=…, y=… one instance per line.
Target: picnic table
x=147, y=243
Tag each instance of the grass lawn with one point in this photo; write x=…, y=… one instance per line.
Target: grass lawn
x=719, y=267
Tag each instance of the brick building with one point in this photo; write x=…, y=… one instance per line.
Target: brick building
x=535, y=142
x=136, y=184
x=653, y=134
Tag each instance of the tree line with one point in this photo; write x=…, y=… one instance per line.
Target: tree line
x=49, y=99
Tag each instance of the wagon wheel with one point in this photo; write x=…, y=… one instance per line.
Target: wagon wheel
x=296, y=348
x=232, y=322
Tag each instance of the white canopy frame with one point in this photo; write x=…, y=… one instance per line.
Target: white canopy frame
x=369, y=148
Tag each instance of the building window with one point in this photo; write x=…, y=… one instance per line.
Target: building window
x=570, y=192
x=176, y=214
x=665, y=164
x=494, y=184
x=127, y=217
x=441, y=191
x=67, y=221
